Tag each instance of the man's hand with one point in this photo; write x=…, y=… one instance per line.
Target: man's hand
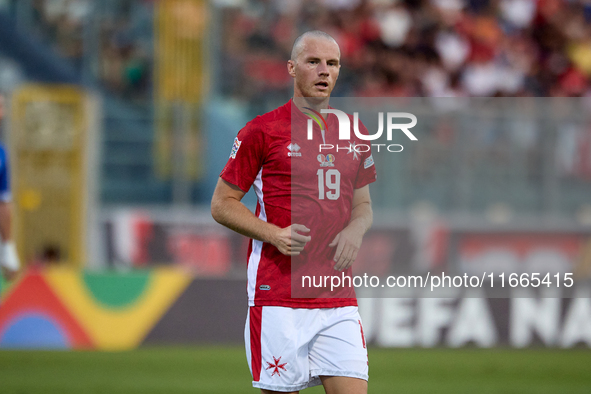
x=290, y=242
x=348, y=243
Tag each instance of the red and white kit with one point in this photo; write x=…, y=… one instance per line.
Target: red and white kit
x=295, y=183
x=294, y=186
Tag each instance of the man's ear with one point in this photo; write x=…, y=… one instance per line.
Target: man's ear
x=291, y=68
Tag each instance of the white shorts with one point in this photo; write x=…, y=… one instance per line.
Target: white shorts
x=288, y=349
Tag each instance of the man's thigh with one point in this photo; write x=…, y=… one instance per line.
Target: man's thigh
x=277, y=341
x=289, y=349
x=343, y=385
x=339, y=349
x=336, y=385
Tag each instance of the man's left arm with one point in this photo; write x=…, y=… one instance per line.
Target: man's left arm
x=348, y=241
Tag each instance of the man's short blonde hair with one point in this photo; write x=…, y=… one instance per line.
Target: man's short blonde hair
x=299, y=42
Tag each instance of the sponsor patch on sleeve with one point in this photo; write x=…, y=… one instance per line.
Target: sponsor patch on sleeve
x=368, y=162
x=235, y=148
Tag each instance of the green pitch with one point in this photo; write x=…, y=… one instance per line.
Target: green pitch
x=212, y=370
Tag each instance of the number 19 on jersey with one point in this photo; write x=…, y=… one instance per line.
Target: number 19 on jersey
x=331, y=180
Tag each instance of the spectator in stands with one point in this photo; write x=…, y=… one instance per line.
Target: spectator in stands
x=9, y=262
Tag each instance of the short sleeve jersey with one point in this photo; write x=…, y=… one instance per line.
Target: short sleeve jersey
x=297, y=182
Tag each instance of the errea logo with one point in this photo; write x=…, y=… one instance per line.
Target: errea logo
x=294, y=150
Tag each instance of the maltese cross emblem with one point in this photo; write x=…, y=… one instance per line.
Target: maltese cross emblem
x=353, y=149
x=276, y=367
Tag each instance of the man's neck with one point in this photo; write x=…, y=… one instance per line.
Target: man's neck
x=308, y=102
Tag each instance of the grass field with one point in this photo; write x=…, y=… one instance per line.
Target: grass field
x=223, y=370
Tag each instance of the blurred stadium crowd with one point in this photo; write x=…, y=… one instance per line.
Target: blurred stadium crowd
x=408, y=48
x=439, y=48
x=120, y=31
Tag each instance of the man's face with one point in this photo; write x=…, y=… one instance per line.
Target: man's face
x=316, y=68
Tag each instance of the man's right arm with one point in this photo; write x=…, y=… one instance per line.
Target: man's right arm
x=228, y=210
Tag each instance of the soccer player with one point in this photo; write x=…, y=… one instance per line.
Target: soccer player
x=9, y=261
x=311, y=206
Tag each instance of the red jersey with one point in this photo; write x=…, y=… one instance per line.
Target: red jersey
x=295, y=182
